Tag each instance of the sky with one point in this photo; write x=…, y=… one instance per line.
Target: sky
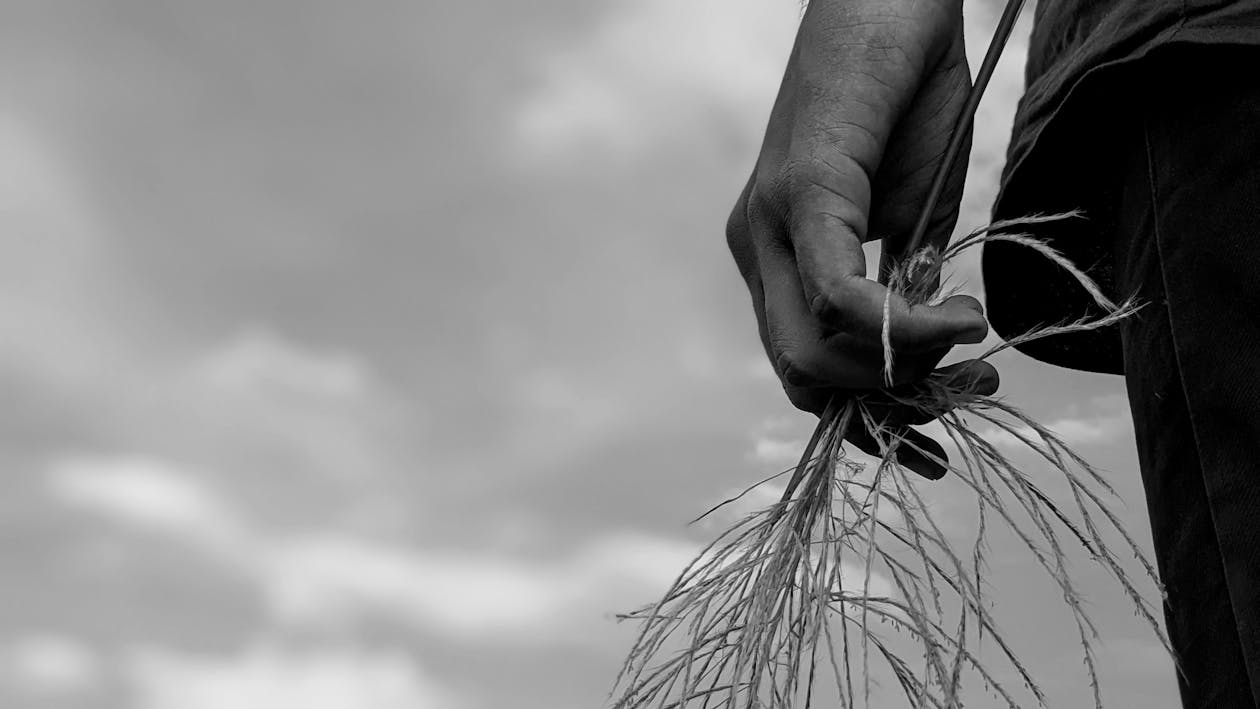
x=374, y=355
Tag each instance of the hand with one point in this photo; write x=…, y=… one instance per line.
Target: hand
x=871, y=93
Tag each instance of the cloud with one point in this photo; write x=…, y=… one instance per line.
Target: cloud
x=1074, y=431
x=337, y=578
x=261, y=359
x=149, y=494
x=778, y=441
x=331, y=580
x=49, y=663
x=651, y=67
x=778, y=452
x=327, y=579
x=267, y=675
x=51, y=266
x=322, y=411
x=90, y=351
x=654, y=71
x=1084, y=431
x=334, y=581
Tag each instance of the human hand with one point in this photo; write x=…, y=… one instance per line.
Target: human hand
x=870, y=95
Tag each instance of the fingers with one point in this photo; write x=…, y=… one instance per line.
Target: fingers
x=918, y=452
x=808, y=356
x=738, y=238
x=816, y=362
x=797, y=342
x=972, y=377
x=912, y=404
x=922, y=455
x=814, y=359
x=832, y=269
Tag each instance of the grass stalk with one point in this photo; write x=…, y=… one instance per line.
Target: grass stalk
x=783, y=609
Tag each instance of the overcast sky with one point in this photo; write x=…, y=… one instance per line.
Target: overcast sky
x=371, y=355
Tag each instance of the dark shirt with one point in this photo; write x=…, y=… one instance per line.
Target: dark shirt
x=1059, y=158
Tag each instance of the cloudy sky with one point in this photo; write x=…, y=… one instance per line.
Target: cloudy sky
x=372, y=355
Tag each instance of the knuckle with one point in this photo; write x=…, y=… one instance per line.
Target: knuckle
x=805, y=399
x=768, y=195
x=797, y=177
x=737, y=231
x=828, y=305
x=847, y=150
x=833, y=304
x=740, y=235
x=795, y=369
x=796, y=189
x=812, y=174
x=765, y=203
x=826, y=192
x=821, y=305
x=793, y=178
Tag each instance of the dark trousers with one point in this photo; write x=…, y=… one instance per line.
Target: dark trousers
x=1187, y=241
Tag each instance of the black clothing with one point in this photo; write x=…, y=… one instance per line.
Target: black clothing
x=1145, y=114
x=1062, y=156
x=1186, y=240
x=1175, y=190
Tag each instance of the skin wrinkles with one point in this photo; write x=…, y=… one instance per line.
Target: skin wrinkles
x=865, y=108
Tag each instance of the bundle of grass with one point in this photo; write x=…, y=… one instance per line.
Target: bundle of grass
x=780, y=610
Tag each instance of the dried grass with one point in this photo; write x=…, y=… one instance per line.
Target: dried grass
x=779, y=610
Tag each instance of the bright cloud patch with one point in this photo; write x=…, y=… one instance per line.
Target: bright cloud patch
x=269, y=676
x=48, y=663
x=655, y=69
x=1072, y=431
x=777, y=442
x=777, y=452
x=652, y=66
x=322, y=409
x=333, y=579
x=262, y=359
x=313, y=581
x=144, y=493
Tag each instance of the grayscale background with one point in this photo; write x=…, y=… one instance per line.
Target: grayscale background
x=372, y=355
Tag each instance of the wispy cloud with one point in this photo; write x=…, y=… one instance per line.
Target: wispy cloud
x=652, y=68
x=145, y=493
x=1088, y=430
x=777, y=441
x=45, y=664
x=486, y=597
x=777, y=452
x=260, y=359
x=330, y=579
x=268, y=675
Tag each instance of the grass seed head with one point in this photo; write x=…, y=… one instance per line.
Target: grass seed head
x=804, y=601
